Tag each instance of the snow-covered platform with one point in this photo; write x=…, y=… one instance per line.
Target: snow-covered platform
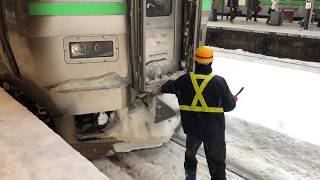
x=29, y=150
x=285, y=41
x=286, y=29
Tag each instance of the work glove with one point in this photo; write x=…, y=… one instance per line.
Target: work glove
x=235, y=98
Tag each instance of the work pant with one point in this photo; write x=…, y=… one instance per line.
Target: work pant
x=215, y=151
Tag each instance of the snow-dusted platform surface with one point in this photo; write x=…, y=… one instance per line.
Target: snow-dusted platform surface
x=286, y=29
x=29, y=150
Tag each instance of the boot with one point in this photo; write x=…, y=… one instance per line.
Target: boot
x=191, y=175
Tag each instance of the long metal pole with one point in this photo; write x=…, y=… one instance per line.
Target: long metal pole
x=307, y=19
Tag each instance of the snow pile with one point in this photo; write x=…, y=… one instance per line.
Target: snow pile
x=103, y=119
x=137, y=129
x=31, y=151
x=106, y=81
x=156, y=82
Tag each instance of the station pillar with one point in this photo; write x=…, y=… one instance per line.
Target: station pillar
x=308, y=17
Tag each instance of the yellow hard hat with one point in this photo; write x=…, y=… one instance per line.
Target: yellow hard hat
x=204, y=55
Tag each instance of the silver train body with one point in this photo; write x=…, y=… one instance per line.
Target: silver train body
x=94, y=63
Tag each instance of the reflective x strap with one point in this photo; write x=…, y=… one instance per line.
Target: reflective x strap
x=202, y=109
x=199, y=97
x=199, y=90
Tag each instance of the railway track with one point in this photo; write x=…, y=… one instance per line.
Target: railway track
x=181, y=142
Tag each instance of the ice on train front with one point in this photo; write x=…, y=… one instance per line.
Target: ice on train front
x=94, y=67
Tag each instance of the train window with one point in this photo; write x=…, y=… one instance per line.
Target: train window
x=156, y=8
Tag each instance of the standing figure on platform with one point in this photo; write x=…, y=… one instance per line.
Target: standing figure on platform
x=234, y=9
x=317, y=14
x=228, y=5
x=250, y=8
x=274, y=7
x=213, y=14
x=257, y=9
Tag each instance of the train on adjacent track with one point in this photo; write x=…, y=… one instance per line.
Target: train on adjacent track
x=298, y=7
x=90, y=67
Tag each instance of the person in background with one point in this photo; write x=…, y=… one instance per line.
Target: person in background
x=257, y=9
x=250, y=8
x=228, y=5
x=318, y=15
x=234, y=9
x=203, y=98
x=213, y=14
x=274, y=7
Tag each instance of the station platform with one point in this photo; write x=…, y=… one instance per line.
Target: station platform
x=29, y=150
x=286, y=29
x=286, y=41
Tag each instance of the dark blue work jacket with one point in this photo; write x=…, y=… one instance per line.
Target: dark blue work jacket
x=202, y=125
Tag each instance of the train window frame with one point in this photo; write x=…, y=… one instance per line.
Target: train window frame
x=161, y=15
x=74, y=39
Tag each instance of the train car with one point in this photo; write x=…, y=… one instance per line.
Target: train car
x=91, y=67
x=297, y=6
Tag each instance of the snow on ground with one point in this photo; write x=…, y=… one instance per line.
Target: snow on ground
x=255, y=151
x=29, y=150
x=265, y=154
x=283, y=99
x=291, y=29
x=269, y=135
x=165, y=163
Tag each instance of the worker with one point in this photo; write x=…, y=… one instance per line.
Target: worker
x=203, y=98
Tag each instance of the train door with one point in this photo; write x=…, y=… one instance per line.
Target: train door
x=164, y=34
x=161, y=38
x=7, y=61
x=156, y=40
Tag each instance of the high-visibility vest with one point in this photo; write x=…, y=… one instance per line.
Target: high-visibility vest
x=199, y=97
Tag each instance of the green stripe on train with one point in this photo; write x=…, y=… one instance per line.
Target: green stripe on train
x=206, y=5
x=52, y=9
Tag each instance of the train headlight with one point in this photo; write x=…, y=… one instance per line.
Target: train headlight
x=91, y=49
x=78, y=49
